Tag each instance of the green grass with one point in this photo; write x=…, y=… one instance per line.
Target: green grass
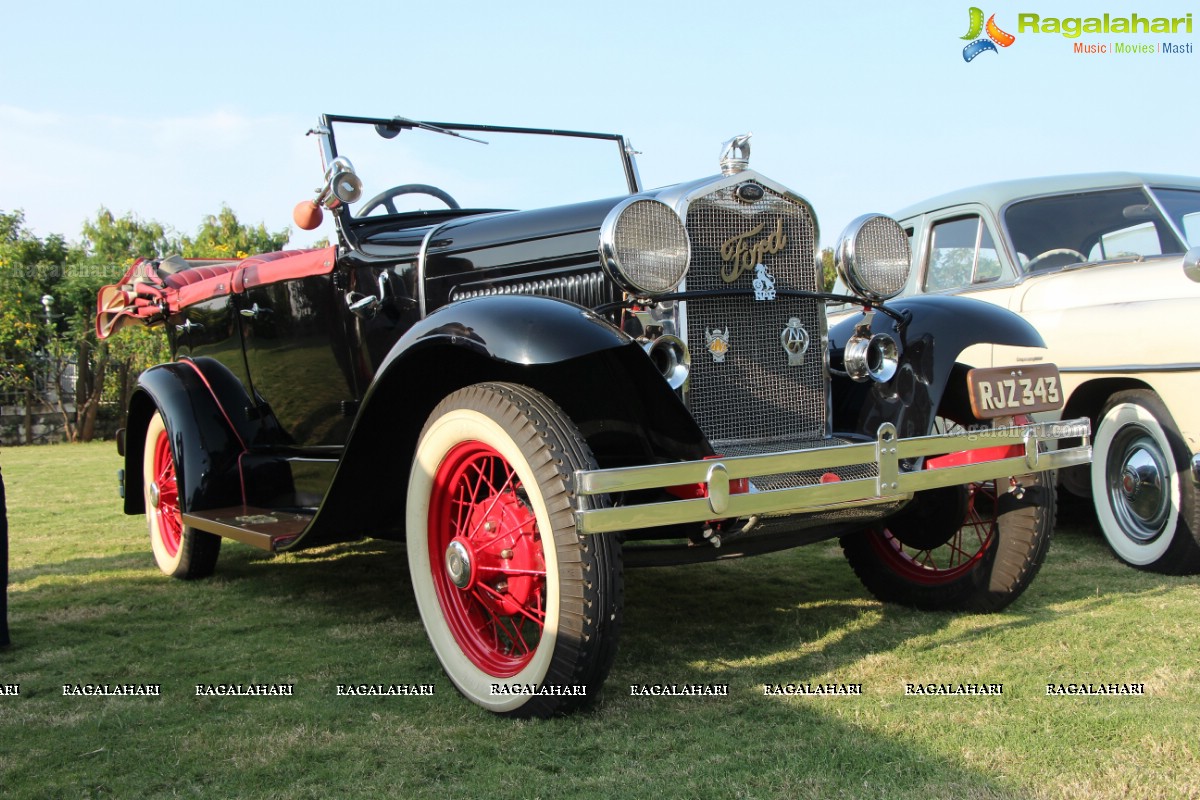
x=88, y=605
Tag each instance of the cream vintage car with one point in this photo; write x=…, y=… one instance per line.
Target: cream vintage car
x=1105, y=267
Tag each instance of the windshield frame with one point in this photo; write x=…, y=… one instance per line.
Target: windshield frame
x=347, y=222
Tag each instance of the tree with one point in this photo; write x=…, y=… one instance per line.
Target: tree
x=40, y=347
x=19, y=255
x=119, y=240
x=828, y=270
x=106, y=370
x=223, y=236
x=29, y=269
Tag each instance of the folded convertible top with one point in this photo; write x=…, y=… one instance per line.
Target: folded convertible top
x=151, y=290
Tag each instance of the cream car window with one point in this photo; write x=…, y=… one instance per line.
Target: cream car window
x=962, y=253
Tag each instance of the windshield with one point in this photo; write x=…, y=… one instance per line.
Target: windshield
x=1054, y=232
x=409, y=168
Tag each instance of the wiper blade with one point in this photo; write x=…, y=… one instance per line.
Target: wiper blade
x=389, y=132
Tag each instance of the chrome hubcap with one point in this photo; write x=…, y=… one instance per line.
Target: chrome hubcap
x=458, y=564
x=154, y=495
x=1138, y=485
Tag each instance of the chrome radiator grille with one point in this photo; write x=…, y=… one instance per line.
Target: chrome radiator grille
x=750, y=394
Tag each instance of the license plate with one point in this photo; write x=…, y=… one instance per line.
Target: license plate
x=1004, y=391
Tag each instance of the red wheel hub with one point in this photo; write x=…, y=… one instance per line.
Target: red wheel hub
x=486, y=556
x=164, y=496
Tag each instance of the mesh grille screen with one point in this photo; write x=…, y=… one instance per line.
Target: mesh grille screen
x=753, y=394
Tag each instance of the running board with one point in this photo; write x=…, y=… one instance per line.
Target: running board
x=258, y=527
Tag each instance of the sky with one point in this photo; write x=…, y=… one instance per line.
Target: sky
x=169, y=110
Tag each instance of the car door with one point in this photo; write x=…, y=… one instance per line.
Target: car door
x=299, y=359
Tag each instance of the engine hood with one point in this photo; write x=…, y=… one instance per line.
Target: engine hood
x=563, y=236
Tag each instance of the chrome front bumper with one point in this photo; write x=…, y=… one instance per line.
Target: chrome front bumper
x=886, y=452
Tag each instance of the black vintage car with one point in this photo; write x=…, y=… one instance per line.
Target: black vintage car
x=534, y=400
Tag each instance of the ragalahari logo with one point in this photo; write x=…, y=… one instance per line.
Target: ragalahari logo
x=995, y=36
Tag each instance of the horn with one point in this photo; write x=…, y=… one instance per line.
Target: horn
x=671, y=357
x=875, y=358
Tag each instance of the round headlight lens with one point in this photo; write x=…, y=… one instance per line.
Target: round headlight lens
x=644, y=247
x=873, y=257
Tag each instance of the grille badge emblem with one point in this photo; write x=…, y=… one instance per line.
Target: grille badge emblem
x=749, y=193
x=795, y=341
x=764, y=283
x=718, y=343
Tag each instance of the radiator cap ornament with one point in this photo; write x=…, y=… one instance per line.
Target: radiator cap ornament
x=735, y=155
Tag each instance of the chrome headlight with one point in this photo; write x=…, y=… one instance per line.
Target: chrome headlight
x=644, y=247
x=873, y=257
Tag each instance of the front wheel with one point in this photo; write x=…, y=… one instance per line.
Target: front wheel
x=1145, y=501
x=522, y=611
x=179, y=550
x=974, y=547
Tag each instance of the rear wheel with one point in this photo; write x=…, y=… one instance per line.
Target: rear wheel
x=974, y=547
x=179, y=550
x=1145, y=500
x=522, y=611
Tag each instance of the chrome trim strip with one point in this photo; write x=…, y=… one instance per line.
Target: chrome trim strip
x=421, y=254
x=886, y=452
x=1123, y=368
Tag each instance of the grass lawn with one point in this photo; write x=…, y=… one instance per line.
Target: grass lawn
x=87, y=605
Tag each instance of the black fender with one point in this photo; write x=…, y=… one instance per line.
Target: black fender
x=940, y=328
x=203, y=406
x=601, y=378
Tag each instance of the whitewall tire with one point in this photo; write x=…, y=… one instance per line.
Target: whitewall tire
x=1145, y=500
x=510, y=595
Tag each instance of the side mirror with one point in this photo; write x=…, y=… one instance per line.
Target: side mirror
x=1191, y=264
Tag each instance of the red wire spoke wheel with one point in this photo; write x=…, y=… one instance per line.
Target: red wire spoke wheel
x=179, y=550
x=974, y=547
x=487, y=560
x=522, y=611
x=935, y=564
x=165, y=496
